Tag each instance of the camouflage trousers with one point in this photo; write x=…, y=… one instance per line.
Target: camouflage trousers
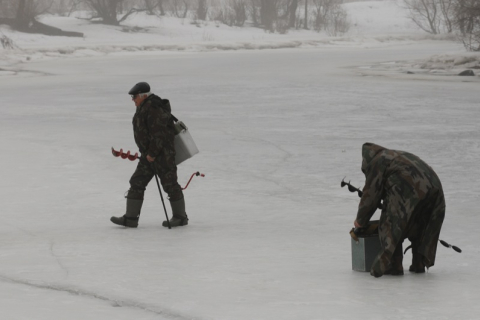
x=414, y=216
x=167, y=172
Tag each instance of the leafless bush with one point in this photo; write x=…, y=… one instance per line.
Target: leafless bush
x=150, y=6
x=329, y=15
x=337, y=22
x=471, y=41
x=432, y=16
x=320, y=12
x=276, y=15
x=6, y=42
x=467, y=22
x=231, y=13
x=467, y=15
x=253, y=9
x=179, y=8
x=281, y=25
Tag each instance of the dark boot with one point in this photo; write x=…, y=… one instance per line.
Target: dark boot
x=417, y=260
x=396, y=267
x=130, y=218
x=179, y=216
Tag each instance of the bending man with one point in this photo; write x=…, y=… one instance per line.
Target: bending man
x=413, y=207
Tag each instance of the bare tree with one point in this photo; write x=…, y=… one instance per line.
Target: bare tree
x=150, y=6
x=240, y=12
x=466, y=13
x=75, y=4
x=321, y=11
x=425, y=14
x=268, y=14
x=467, y=21
x=305, y=26
x=433, y=16
x=254, y=12
x=330, y=16
x=202, y=9
x=21, y=15
x=337, y=21
x=160, y=4
x=292, y=6
x=231, y=12
x=447, y=9
x=180, y=8
x=106, y=10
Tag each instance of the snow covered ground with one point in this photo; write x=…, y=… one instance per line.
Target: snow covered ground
x=373, y=24
x=277, y=131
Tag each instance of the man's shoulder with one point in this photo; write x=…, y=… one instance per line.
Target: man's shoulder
x=156, y=102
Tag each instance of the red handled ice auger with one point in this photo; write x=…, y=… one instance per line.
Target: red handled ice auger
x=124, y=155
x=134, y=157
x=196, y=174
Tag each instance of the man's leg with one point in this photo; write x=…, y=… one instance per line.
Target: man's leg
x=138, y=183
x=393, y=223
x=167, y=171
x=396, y=267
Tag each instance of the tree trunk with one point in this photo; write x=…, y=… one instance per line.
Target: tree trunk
x=202, y=10
x=292, y=11
x=305, y=26
x=254, y=13
x=268, y=14
x=21, y=10
x=160, y=6
x=25, y=23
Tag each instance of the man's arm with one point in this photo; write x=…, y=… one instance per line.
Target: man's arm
x=372, y=191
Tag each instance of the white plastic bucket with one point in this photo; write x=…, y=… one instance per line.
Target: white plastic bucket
x=185, y=147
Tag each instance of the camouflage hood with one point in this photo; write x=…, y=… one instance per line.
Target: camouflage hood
x=157, y=101
x=369, y=152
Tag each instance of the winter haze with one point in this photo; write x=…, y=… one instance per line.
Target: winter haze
x=279, y=120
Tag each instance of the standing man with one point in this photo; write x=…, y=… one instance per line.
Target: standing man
x=154, y=133
x=413, y=207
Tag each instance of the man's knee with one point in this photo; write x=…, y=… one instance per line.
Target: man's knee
x=175, y=195
x=135, y=194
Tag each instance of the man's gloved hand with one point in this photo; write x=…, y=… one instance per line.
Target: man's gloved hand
x=353, y=235
x=370, y=229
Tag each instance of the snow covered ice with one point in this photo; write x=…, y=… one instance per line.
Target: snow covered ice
x=268, y=235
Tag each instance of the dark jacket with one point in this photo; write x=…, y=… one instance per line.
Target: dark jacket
x=153, y=127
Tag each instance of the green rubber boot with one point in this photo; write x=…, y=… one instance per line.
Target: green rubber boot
x=130, y=218
x=179, y=216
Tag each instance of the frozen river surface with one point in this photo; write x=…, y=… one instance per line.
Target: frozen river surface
x=268, y=234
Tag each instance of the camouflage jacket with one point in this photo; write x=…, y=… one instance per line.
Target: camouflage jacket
x=153, y=127
x=384, y=169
